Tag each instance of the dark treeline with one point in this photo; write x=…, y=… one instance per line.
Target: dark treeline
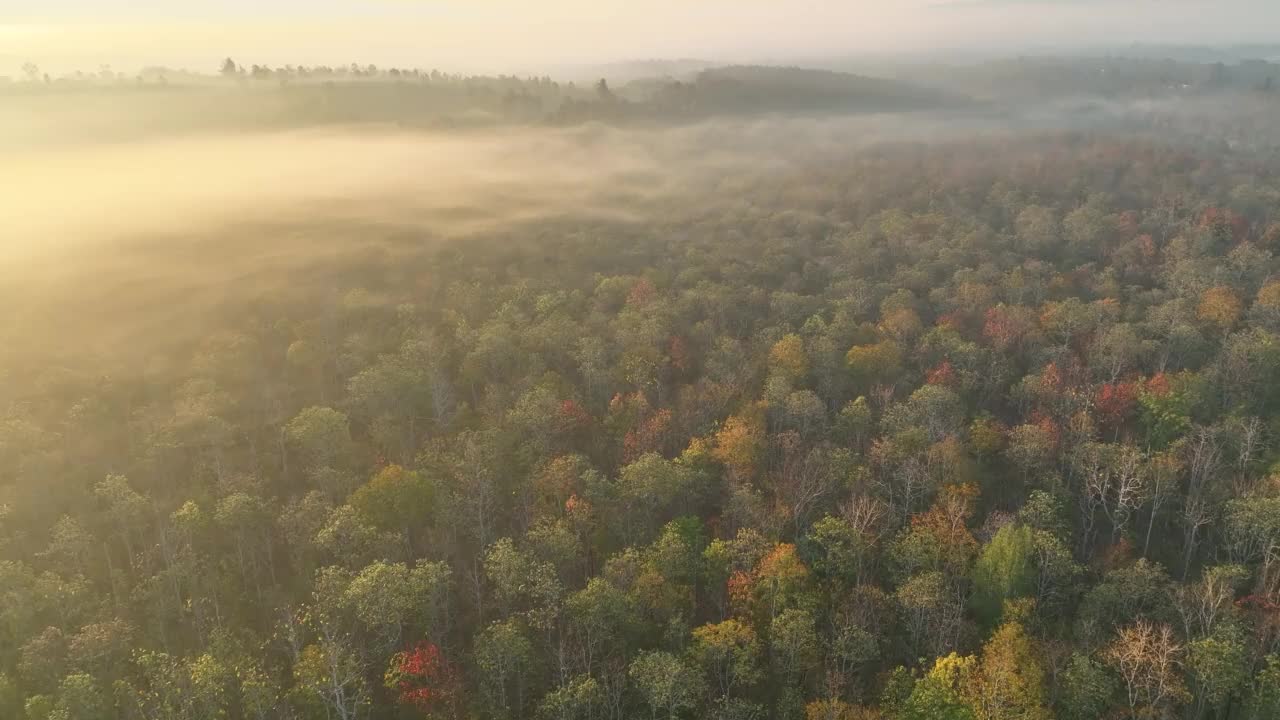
x=977, y=430
x=290, y=96
x=259, y=96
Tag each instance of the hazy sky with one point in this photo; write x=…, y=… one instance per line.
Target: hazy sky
x=497, y=35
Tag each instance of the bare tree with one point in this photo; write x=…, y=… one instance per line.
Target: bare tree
x=1112, y=479
x=1148, y=657
x=1203, y=460
x=1203, y=604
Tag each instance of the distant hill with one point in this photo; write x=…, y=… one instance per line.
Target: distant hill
x=763, y=89
x=1114, y=77
x=631, y=71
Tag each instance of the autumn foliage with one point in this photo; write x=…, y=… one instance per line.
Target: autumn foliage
x=422, y=678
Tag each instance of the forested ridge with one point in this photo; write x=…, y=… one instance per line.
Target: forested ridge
x=258, y=96
x=249, y=95
x=974, y=429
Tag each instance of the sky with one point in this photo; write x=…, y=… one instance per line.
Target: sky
x=532, y=35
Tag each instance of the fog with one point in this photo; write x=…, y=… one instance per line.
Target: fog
x=142, y=214
x=172, y=185
x=107, y=241
x=125, y=242
x=183, y=221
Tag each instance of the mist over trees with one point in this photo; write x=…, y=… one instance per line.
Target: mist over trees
x=854, y=425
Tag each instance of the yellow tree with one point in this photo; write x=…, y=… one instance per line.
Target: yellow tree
x=1010, y=682
x=738, y=444
x=1220, y=307
x=788, y=358
x=874, y=363
x=730, y=654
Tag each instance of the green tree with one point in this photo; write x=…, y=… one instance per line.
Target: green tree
x=80, y=698
x=1004, y=570
x=581, y=698
x=1264, y=702
x=332, y=676
x=940, y=694
x=793, y=644
x=837, y=551
x=669, y=687
x=504, y=656
x=602, y=619
x=397, y=500
x=1086, y=689
x=654, y=490
x=1218, y=666
x=321, y=436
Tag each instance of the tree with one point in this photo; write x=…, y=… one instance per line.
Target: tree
x=352, y=542
x=793, y=644
x=1037, y=228
x=878, y=362
x=1220, y=308
x=782, y=580
x=1004, y=570
x=79, y=698
x=1011, y=677
x=102, y=649
x=603, y=92
x=1148, y=659
x=247, y=520
x=1253, y=535
x=331, y=674
x=837, y=551
x=581, y=698
x=931, y=612
x=1204, y=604
x=229, y=68
x=654, y=490
x=423, y=678
x=396, y=500
x=1112, y=480
x=788, y=359
x=1264, y=702
x=519, y=582
x=504, y=655
x=387, y=599
x=42, y=661
x=1218, y=666
x=602, y=619
x=940, y=694
x=729, y=653
x=934, y=408
x=393, y=395
x=738, y=445
x=1140, y=590
x=322, y=438
x=125, y=508
x=668, y=686
x=1086, y=689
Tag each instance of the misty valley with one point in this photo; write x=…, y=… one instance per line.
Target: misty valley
x=931, y=390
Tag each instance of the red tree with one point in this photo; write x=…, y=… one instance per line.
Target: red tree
x=1115, y=402
x=422, y=677
x=944, y=374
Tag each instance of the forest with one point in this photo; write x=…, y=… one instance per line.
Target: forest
x=761, y=394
